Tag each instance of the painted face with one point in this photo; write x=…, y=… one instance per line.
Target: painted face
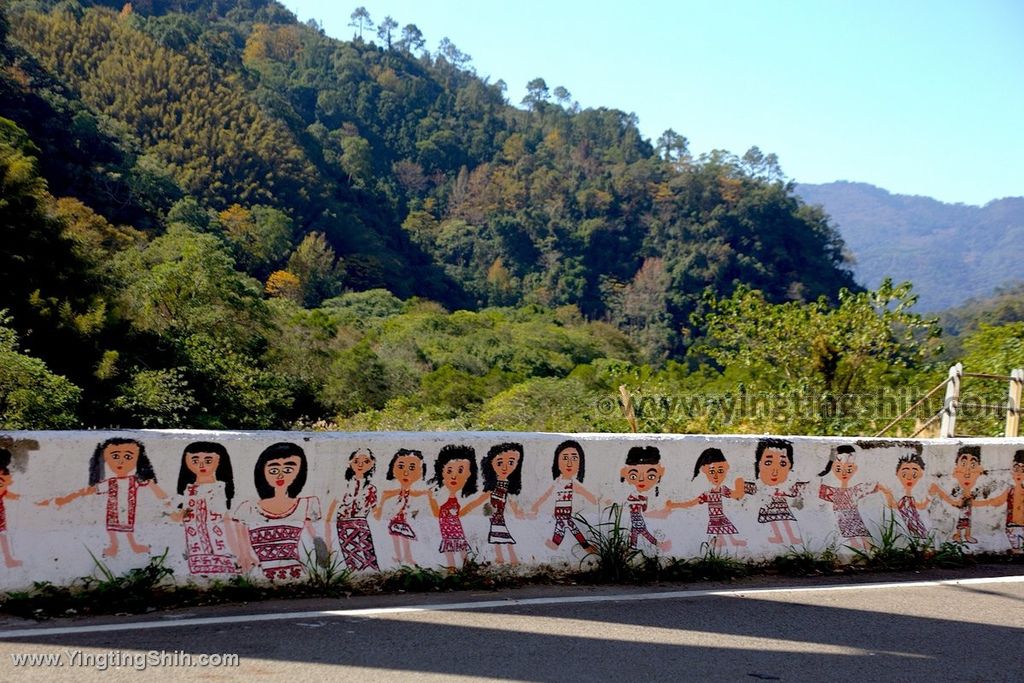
x=505, y=463
x=281, y=472
x=775, y=466
x=407, y=470
x=844, y=471
x=122, y=458
x=1018, y=472
x=361, y=463
x=203, y=465
x=909, y=473
x=455, y=474
x=642, y=477
x=967, y=470
x=568, y=462
x=715, y=472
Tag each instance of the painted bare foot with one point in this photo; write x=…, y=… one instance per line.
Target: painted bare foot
x=972, y=539
x=110, y=551
x=739, y=543
x=665, y=545
x=11, y=562
x=551, y=544
x=140, y=549
x=776, y=537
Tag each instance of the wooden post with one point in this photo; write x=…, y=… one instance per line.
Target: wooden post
x=952, y=402
x=627, y=407
x=1013, y=403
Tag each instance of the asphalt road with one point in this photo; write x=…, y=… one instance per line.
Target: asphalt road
x=931, y=626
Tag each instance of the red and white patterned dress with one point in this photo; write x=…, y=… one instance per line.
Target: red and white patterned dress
x=637, y=523
x=205, y=525
x=275, y=538
x=718, y=523
x=122, y=497
x=844, y=503
x=398, y=525
x=563, y=514
x=453, y=537
x=352, y=526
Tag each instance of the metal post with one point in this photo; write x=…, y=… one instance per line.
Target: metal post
x=1013, y=403
x=952, y=402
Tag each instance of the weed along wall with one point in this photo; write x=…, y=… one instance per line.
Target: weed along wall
x=268, y=504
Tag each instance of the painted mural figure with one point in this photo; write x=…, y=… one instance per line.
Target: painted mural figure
x=966, y=471
x=643, y=470
x=844, y=498
x=1013, y=498
x=909, y=470
x=6, y=492
x=358, y=500
x=127, y=460
x=454, y=470
x=502, y=469
x=713, y=465
x=407, y=468
x=568, y=470
x=270, y=529
x=773, y=461
x=206, y=486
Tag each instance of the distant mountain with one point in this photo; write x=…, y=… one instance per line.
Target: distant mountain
x=951, y=252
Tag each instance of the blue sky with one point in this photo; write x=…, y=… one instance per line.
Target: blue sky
x=917, y=97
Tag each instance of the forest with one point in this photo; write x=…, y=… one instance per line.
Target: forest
x=215, y=216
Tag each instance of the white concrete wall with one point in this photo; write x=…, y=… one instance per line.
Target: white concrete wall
x=54, y=543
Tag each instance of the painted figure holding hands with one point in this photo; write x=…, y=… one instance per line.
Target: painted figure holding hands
x=407, y=468
x=909, y=470
x=643, y=471
x=455, y=471
x=6, y=492
x=357, y=502
x=503, y=480
x=713, y=465
x=126, y=459
x=568, y=470
x=842, y=463
x=966, y=471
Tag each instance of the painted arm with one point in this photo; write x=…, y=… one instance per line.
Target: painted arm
x=991, y=502
x=378, y=511
x=941, y=493
x=660, y=513
x=12, y=495
x=328, y=536
x=737, y=489
x=585, y=493
x=434, y=507
x=889, y=499
x=61, y=501
x=514, y=507
x=473, y=504
x=672, y=505
x=540, y=501
x=157, y=491
x=246, y=555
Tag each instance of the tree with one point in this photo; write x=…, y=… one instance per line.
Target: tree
x=446, y=48
x=562, y=95
x=536, y=93
x=318, y=269
x=412, y=39
x=360, y=20
x=32, y=397
x=260, y=237
x=672, y=146
x=385, y=29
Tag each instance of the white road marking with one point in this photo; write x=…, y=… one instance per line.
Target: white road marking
x=483, y=604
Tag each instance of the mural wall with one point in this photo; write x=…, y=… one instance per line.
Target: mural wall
x=264, y=504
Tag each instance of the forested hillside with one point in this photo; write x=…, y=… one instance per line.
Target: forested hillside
x=952, y=252
x=217, y=216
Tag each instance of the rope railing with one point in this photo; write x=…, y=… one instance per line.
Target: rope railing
x=951, y=403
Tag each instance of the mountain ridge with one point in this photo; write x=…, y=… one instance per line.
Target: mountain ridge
x=924, y=240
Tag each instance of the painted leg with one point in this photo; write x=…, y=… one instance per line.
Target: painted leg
x=512, y=559
x=451, y=562
x=738, y=542
x=499, y=557
x=407, y=552
x=111, y=550
x=665, y=545
x=794, y=537
x=397, y=542
x=136, y=546
x=8, y=558
x=776, y=536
